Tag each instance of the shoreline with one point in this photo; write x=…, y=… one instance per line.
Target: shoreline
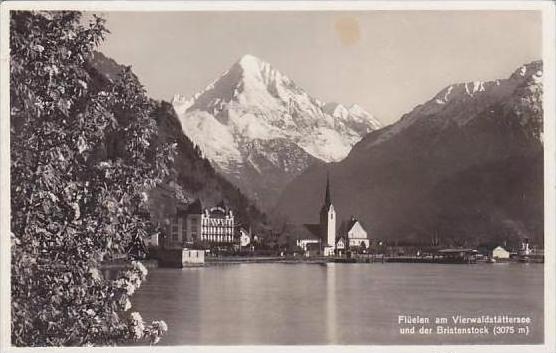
x=234, y=260
x=365, y=260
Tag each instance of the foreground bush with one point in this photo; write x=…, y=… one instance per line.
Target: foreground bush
x=83, y=157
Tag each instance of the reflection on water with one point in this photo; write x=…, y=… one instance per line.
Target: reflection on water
x=334, y=303
x=331, y=325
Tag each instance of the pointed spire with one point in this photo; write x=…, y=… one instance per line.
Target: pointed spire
x=327, y=200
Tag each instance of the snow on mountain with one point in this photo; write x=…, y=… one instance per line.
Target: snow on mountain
x=354, y=117
x=181, y=103
x=459, y=103
x=336, y=110
x=252, y=101
x=215, y=141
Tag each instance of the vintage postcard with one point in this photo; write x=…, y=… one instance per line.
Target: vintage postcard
x=278, y=176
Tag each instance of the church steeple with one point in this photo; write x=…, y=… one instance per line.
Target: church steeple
x=327, y=200
x=328, y=221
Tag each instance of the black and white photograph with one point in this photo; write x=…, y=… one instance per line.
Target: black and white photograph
x=248, y=175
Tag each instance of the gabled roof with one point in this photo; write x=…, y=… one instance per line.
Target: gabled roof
x=351, y=223
x=303, y=231
x=314, y=229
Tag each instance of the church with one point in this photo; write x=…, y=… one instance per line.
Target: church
x=323, y=238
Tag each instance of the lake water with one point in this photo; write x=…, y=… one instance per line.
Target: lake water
x=277, y=303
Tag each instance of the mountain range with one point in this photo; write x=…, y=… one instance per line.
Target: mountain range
x=260, y=129
x=465, y=166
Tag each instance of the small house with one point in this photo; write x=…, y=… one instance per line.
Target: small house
x=244, y=237
x=340, y=246
x=356, y=236
x=500, y=253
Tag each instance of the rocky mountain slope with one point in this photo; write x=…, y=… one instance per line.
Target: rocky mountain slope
x=466, y=166
x=193, y=175
x=260, y=130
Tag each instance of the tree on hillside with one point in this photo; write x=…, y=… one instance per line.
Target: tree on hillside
x=83, y=157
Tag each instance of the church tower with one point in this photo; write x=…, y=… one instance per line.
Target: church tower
x=328, y=220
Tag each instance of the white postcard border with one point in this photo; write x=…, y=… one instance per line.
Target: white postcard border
x=549, y=58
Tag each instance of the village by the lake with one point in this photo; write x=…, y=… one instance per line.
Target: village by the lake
x=202, y=235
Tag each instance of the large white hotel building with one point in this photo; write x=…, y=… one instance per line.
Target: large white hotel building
x=195, y=225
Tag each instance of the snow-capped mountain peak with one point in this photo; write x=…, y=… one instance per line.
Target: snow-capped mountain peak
x=356, y=117
x=256, y=69
x=254, y=104
x=248, y=60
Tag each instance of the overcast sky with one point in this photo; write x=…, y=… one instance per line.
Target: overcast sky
x=385, y=61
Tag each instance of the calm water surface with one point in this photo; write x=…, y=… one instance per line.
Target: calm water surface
x=335, y=303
